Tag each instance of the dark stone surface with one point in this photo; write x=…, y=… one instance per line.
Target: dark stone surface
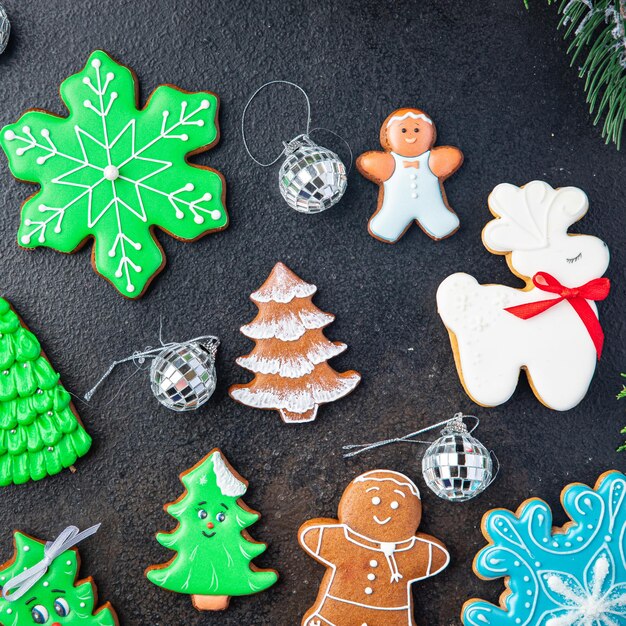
x=497, y=82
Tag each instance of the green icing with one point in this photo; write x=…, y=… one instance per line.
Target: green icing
x=40, y=434
x=77, y=601
x=213, y=555
x=113, y=172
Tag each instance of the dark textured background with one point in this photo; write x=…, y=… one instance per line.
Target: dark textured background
x=497, y=82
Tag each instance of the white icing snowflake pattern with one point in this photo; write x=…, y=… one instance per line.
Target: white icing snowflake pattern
x=596, y=600
x=112, y=172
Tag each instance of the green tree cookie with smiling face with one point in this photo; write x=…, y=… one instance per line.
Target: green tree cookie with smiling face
x=56, y=599
x=214, y=551
x=114, y=173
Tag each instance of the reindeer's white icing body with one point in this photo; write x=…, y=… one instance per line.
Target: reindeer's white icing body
x=492, y=345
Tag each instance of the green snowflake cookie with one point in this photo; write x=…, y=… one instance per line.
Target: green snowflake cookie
x=56, y=598
x=114, y=173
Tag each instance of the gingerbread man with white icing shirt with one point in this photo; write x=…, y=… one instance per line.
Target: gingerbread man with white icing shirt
x=372, y=554
x=410, y=173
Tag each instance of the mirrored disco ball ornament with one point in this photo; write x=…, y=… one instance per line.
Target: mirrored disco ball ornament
x=457, y=466
x=312, y=178
x=183, y=377
x=5, y=29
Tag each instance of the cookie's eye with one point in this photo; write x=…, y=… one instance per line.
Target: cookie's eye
x=404, y=130
x=394, y=505
x=202, y=514
x=576, y=258
x=221, y=516
x=39, y=614
x=416, y=130
x=375, y=500
x=61, y=607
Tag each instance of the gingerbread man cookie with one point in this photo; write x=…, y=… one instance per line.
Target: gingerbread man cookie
x=410, y=173
x=372, y=554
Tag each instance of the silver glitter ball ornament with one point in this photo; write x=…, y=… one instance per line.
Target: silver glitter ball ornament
x=183, y=377
x=5, y=29
x=312, y=178
x=457, y=466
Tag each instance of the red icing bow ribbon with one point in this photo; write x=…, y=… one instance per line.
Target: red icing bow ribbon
x=597, y=289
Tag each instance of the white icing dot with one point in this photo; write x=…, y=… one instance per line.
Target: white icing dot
x=86, y=80
x=41, y=160
x=216, y=215
x=375, y=500
x=68, y=562
x=166, y=114
x=371, y=577
x=206, y=197
x=96, y=63
x=45, y=132
x=20, y=151
x=580, y=539
x=114, y=95
x=526, y=579
x=118, y=273
x=26, y=129
x=394, y=505
x=139, y=268
x=46, y=584
x=373, y=563
x=368, y=591
x=527, y=605
x=413, y=195
x=26, y=548
x=607, y=538
x=41, y=238
x=200, y=122
x=9, y=135
x=189, y=187
x=537, y=564
x=57, y=229
x=198, y=219
x=517, y=563
x=111, y=172
x=205, y=104
x=110, y=75
x=27, y=222
x=130, y=288
x=111, y=253
x=82, y=605
x=184, y=137
x=86, y=103
x=9, y=611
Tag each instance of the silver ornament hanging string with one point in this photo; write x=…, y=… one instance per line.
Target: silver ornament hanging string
x=17, y=586
x=289, y=146
x=139, y=357
x=245, y=110
x=364, y=447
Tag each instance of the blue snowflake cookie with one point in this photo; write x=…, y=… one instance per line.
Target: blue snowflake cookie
x=570, y=576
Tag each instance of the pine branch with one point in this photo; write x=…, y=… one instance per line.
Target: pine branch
x=597, y=30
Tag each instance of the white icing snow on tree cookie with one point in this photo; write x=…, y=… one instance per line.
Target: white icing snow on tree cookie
x=550, y=328
x=289, y=358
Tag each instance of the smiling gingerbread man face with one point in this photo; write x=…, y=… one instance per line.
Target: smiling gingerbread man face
x=408, y=132
x=382, y=505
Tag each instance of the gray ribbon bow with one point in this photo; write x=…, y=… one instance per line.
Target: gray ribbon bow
x=15, y=588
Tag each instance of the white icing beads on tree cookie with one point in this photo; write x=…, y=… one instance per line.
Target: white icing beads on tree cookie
x=550, y=329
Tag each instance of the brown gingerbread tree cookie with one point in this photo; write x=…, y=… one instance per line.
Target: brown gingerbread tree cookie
x=289, y=358
x=410, y=173
x=373, y=553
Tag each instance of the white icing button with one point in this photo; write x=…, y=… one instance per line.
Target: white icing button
x=412, y=176
x=368, y=591
x=373, y=563
x=413, y=185
x=9, y=611
x=371, y=577
x=111, y=172
x=46, y=584
x=26, y=548
x=413, y=195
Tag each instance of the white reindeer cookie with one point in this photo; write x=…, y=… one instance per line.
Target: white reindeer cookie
x=550, y=328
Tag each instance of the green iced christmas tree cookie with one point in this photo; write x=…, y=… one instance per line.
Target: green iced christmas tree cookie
x=214, y=551
x=114, y=173
x=40, y=433
x=56, y=599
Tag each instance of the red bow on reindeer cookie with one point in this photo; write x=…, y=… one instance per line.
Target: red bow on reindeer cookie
x=597, y=289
